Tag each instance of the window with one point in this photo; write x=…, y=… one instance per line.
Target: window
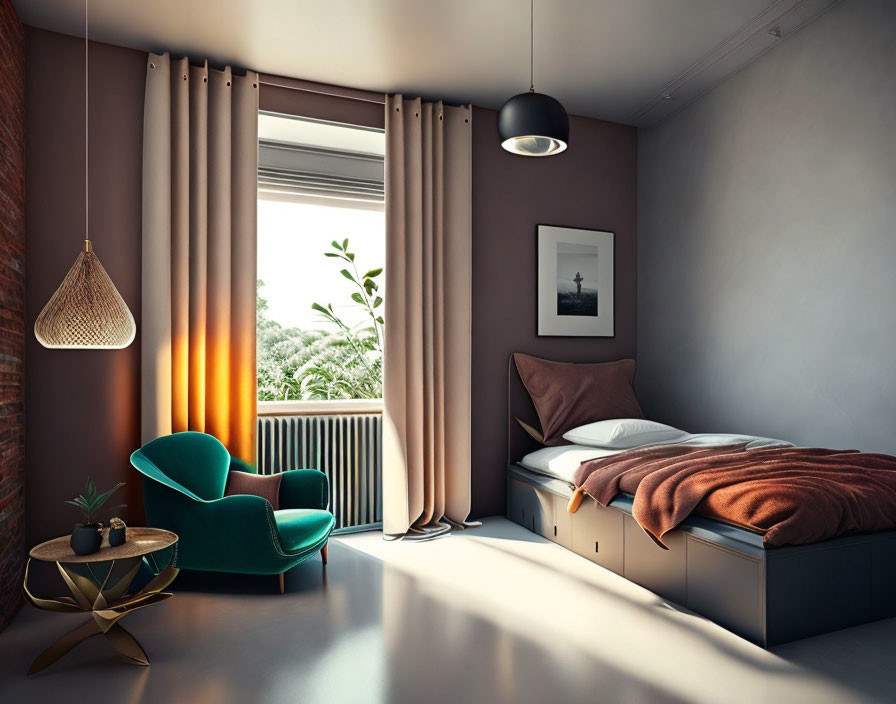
x=321, y=251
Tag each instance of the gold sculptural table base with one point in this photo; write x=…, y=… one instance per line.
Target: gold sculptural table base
x=122, y=641
x=104, y=597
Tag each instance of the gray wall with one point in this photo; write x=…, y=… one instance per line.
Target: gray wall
x=767, y=243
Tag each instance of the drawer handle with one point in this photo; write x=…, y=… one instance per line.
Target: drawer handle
x=555, y=531
x=596, y=546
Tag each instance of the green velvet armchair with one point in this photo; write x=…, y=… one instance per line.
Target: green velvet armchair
x=184, y=476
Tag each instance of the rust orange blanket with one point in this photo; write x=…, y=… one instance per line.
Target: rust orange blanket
x=791, y=495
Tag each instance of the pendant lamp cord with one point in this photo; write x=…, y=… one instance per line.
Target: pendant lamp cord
x=86, y=130
x=531, y=45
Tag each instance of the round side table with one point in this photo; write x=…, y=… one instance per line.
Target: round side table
x=99, y=586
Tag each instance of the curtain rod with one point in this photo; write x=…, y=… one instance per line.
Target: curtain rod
x=364, y=96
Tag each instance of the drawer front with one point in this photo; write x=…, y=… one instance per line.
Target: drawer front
x=531, y=508
x=663, y=572
x=597, y=534
x=883, y=576
x=562, y=522
x=820, y=589
x=726, y=587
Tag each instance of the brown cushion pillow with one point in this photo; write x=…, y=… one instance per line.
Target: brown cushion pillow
x=568, y=395
x=267, y=486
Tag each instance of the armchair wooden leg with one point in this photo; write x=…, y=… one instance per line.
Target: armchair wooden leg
x=323, y=553
x=282, y=585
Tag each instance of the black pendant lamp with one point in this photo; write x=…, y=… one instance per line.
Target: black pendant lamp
x=533, y=124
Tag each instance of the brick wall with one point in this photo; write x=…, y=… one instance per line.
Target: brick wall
x=12, y=310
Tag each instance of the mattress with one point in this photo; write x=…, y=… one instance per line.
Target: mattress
x=709, y=528
x=561, y=462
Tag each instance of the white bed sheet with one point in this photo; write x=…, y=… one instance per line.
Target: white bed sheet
x=562, y=462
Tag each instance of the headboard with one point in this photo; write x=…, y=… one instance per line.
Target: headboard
x=519, y=405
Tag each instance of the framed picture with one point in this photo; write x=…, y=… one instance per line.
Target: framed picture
x=575, y=282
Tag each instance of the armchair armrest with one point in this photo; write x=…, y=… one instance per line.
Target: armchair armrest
x=304, y=488
x=231, y=514
x=238, y=531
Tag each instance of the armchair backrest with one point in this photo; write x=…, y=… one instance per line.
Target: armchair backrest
x=196, y=461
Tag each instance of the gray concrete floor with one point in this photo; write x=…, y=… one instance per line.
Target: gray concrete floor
x=494, y=614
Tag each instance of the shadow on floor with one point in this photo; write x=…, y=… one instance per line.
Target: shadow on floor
x=305, y=577
x=861, y=658
x=376, y=635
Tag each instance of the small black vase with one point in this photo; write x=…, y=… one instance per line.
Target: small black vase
x=86, y=538
x=117, y=537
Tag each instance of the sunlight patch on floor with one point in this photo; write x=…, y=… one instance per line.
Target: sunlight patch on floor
x=535, y=589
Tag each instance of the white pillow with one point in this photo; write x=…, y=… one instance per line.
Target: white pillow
x=623, y=433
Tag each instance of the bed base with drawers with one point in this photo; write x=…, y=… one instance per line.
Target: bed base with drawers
x=768, y=596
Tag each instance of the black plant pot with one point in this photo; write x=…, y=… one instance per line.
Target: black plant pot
x=117, y=536
x=86, y=538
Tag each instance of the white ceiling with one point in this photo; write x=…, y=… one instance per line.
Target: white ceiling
x=601, y=58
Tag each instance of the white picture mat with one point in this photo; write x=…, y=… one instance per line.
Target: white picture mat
x=549, y=323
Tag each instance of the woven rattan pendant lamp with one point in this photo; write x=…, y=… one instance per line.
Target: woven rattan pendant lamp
x=86, y=311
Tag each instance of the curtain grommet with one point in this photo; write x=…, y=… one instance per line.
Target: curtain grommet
x=152, y=65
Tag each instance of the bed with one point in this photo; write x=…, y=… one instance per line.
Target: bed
x=768, y=595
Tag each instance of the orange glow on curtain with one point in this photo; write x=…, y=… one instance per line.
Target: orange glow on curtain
x=217, y=390
x=199, y=218
x=224, y=399
x=180, y=383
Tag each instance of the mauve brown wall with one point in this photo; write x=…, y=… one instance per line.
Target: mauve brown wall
x=83, y=405
x=12, y=310
x=321, y=107
x=594, y=186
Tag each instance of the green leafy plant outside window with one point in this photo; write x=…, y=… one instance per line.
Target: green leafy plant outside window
x=339, y=362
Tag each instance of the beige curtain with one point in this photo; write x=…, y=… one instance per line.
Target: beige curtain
x=200, y=164
x=426, y=385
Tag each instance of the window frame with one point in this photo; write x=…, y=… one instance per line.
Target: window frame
x=359, y=113
x=321, y=407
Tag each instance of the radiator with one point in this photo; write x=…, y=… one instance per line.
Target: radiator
x=347, y=448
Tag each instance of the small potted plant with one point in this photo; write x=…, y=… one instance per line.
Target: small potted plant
x=117, y=532
x=86, y=537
